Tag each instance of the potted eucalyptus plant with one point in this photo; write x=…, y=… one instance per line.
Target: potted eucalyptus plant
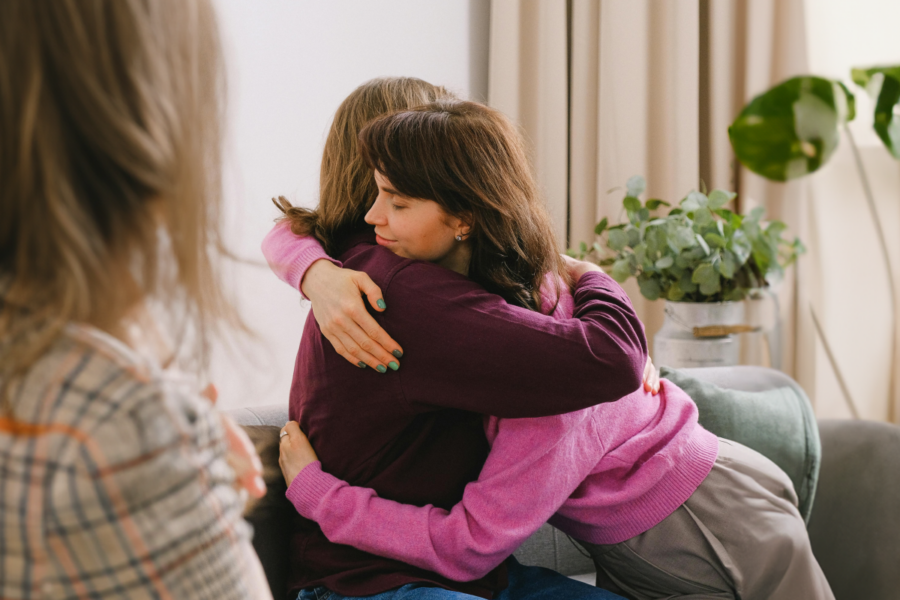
x=702, y=259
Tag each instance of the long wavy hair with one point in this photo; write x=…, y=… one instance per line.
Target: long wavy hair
x=473, y=162
x=109, y=168
x=346, y=187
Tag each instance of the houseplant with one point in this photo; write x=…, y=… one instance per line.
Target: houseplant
x=792, y=129
x=700, y=257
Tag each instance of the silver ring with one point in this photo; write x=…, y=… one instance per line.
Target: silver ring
x=283, y=433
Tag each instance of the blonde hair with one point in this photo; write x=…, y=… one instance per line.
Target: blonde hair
x=109, y=167
x=346, y=186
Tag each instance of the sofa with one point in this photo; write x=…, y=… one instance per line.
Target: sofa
x=854, y=524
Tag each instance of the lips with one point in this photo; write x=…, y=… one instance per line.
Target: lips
x=383, y=241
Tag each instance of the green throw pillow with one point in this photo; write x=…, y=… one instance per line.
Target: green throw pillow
x=778, y=423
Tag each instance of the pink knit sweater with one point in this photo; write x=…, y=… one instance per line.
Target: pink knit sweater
x=602, y=475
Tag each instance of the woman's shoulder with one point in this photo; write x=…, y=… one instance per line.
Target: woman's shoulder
x=390, y=270
x=92, y=389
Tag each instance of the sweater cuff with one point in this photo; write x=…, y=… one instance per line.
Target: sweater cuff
x=299, y=266
x=309, y=489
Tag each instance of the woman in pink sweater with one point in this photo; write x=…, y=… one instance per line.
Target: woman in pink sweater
x=665, y=508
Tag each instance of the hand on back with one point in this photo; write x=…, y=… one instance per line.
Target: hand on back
x=338, y=307
x=577, y=268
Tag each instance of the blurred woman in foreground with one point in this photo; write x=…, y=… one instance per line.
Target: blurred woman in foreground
x=115, y=480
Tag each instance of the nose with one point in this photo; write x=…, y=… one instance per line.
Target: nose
x=375, y=216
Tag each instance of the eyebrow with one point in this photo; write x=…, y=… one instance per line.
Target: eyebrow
x=394, y=192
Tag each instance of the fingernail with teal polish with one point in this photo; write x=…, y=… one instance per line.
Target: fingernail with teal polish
x=397, y=353
x=393, y=365
x=361, y=365
x=381, y=369
x=381, y=304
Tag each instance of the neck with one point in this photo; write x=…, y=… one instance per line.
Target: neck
x=458, y=259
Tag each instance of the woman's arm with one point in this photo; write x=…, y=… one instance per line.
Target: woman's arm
x=533, y=467
x=336, y=296
x=469, y=349
x=148, y=506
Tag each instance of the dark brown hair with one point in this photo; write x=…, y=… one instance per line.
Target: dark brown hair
x=471, y=160
x=346, y=187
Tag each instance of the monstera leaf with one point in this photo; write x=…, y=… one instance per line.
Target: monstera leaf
x=792, y=129
x=883, y=85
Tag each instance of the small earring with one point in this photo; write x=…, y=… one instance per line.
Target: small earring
x=459, y=238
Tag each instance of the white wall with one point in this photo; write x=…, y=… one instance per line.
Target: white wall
x=290, y=63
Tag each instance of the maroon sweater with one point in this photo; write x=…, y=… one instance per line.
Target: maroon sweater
x=416, y=435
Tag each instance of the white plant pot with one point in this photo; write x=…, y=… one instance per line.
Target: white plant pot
x=675, y=345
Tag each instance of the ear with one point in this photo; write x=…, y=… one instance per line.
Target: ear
x=464, y=224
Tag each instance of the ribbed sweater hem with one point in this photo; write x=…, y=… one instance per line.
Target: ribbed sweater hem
x=298, y=267
x=612, y=525
x=309, y=488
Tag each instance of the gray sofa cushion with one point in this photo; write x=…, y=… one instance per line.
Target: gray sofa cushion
x=855, y=528
x=778, y=422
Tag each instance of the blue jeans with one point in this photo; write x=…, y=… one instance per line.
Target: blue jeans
x=525, y=583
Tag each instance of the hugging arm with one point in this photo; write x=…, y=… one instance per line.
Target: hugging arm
x=469, y=349
x=336, y=296
x=535, y=465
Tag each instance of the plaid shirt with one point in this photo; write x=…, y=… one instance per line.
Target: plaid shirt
x=114, y=483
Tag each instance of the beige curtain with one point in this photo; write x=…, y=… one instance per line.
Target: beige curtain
x=607, y=89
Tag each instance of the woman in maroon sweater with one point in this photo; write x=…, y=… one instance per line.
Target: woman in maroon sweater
x=416, y=435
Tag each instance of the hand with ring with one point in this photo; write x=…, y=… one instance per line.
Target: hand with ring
x=295, y=451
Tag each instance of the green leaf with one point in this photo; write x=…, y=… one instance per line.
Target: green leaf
x=702, y=218
x=727, y=265
x=655, y=203
x=617, y=239
x=665, y=262
x=634, y=236
x=711, y=288
x=583, y=247
x=676, y=211
x=601, y=226
x=643, y=215
x=719, y=198
x=735, y=295
x=883, y=85
x=675, y=292
x=680, y=237
x=635, y=186
x=850, y=99
x=621, y=270
x=607, y=262
x=740, y=246
x=790, y=130
x=703, y=244
x=694, y=201
x=733, y=219
x=715, y=240
x=650, y=288
x=640, y=255
x=656, y=240
x=705, y=273
x=631, y=204
x=687, y=284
